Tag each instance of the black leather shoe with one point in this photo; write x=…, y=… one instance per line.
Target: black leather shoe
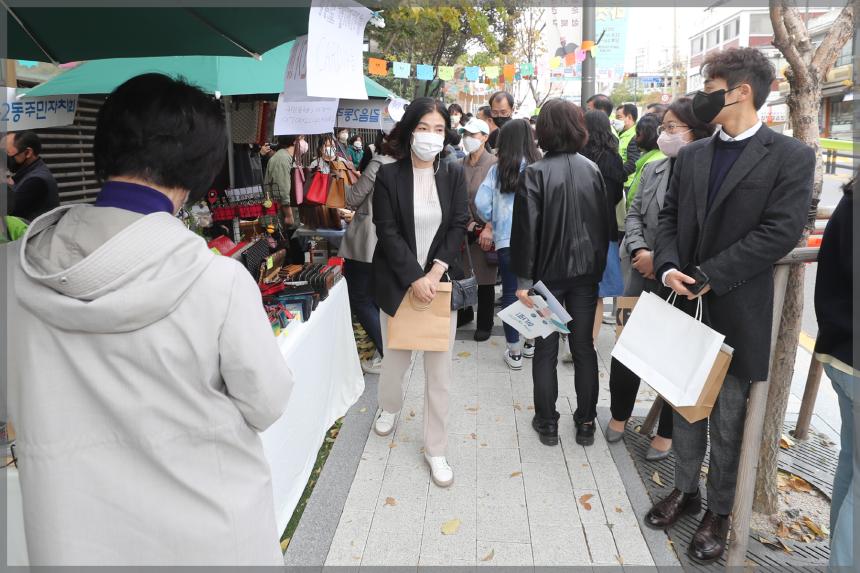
x=709, y=541
x=482, y=335
x=585, y=433
x=465, y=316
x=666, y=512
x=548, y=433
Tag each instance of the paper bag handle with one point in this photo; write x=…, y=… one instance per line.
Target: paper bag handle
x=419, y=306
x=673, y=297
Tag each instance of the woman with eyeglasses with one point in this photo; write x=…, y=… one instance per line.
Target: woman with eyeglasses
x=679, y=128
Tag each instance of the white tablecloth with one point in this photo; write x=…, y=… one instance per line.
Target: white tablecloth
x=328, y=380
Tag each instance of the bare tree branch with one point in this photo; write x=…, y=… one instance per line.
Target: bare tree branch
x=780, y=13
x=840, y=32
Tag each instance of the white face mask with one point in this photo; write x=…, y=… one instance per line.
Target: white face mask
x=426, y=146
x=671, y=144
x=357, y=145
x=455, y=121
x=618, y=124
x=472, y=144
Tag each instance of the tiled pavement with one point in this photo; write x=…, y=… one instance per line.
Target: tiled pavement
x=514, y=501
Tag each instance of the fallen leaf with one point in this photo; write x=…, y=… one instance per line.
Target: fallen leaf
x=489, y=556
x=583, y=500
x=785, y=442
x=785, y=547
x=516, y=474
x=392, y=445
x=813, y=527
x=782, y=530
x=483, y=444
x=656, y=479
x=472, y=409
x=285, y=543
x=619, y=559
x=619, y=510
x=411, y=413
x=518, y=408
x=390, y=501
x=464, y=354
x=363, y=410
x=421, y=451
x=530, y=408
x=450, y=527
x=768, y=542
x=329, y=440
x=473, y=435
x=799, y=484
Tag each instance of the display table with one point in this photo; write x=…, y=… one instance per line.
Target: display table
x=327, y=380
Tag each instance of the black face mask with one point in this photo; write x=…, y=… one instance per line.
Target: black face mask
x=500, y=121
x=707, y=106
x=13, y=165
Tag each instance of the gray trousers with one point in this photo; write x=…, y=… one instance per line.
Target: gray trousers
x=727, y=430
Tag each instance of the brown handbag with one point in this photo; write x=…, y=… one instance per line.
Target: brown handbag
x=337, y=192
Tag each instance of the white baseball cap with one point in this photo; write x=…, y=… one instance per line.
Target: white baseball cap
x=476, y=125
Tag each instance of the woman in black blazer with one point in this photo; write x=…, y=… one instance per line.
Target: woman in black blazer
x=420, y=209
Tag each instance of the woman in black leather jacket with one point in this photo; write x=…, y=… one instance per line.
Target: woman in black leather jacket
x=560, y=236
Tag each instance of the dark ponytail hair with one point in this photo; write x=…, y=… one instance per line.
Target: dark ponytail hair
x=516, y=144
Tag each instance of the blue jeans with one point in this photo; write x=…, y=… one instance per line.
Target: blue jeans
x=842, y=504
x=358, y=277
x=509, y=295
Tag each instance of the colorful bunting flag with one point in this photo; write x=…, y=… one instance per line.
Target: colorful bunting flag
x=527, y=69
x=424, y=72
x=580, y=55
x=446, y=73
x=377, y=67
x=587, y=45
x=571, y=59
x=509, y=72
x=492, y=72
x=594, y=51
x=402, y=69
x=555, y=63
x=472, y=73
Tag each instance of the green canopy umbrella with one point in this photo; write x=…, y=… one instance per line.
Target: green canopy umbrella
x=69, y=34
x=224, y=75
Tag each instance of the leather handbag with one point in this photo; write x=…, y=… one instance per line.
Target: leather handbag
x=464, y=292
x=337, y=191
x=318, y=192
x=297, y=191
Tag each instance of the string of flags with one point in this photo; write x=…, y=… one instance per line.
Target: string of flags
x=493, y=73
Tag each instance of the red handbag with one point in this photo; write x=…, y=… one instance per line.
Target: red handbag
x=317, y=194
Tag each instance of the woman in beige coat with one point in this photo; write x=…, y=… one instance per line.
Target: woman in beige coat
x=142, y=365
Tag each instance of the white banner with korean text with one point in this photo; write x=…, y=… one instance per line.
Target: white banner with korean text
x=18, y=114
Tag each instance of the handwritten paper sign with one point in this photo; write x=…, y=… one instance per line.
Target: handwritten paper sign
x=334, y=57
x=37, y=112
x=307, y=116
x=295, y=76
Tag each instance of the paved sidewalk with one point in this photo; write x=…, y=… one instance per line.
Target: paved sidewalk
x=514, y=501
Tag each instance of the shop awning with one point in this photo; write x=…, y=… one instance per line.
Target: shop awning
x=61, y=34
x=224, y=75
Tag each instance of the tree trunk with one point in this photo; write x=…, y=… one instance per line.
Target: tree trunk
x=804, y=103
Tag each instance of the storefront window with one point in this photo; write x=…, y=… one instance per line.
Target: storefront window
x=731, y=30
x=696, y=46
x=841, y=119
x=712, y=39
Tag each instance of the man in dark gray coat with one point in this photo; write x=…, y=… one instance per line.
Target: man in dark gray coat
x=737, y=203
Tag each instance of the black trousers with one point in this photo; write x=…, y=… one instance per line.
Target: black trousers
x=486, y=307
x=358, y=275
x=579, y=297
x=623, y=387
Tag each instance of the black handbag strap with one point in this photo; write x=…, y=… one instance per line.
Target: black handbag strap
x=469, y=253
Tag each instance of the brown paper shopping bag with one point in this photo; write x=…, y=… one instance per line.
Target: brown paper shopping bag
x=420, y=326
x=623, y=307
x=713, y=385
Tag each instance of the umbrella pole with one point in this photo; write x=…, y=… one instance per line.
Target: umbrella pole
x=227, y=100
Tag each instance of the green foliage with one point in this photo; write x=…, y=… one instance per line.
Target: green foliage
x=624, y=93
x=440, y=34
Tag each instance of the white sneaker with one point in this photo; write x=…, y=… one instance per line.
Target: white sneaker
x=440, y=471
x=529, y=349
x=384, y=424
x=372, y=366
x=514, y=361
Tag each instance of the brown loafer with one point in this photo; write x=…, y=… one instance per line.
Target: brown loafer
x=709, y=542
x=668, y=510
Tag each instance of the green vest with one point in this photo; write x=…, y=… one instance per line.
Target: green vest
x=653, y=155
x=11, y=229
x=624, y=140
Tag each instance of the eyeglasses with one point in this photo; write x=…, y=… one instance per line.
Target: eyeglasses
x=672, y=128
x=503, y=113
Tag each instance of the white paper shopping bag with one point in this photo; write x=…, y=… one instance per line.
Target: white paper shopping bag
x=670, y=350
